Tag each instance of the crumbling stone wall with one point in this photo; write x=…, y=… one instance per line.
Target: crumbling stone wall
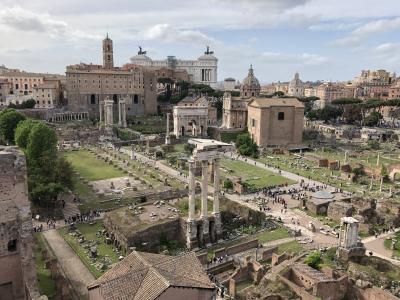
x=16, y=238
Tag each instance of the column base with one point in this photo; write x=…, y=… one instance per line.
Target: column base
x=218, y=224
x=206, y=231
x=191, y=235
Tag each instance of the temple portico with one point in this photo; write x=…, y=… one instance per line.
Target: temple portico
x=204, y=229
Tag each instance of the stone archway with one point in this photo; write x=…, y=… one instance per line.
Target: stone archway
x=393, y=171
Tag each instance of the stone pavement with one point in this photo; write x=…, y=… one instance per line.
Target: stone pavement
x=377, y=247
x=74, y=269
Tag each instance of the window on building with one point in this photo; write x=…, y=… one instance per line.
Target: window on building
x=253, y=122
x=92, y=99
x=281, y=116
x=12, y=245
x=115, y=98
x=16, y=86
x=136, y=99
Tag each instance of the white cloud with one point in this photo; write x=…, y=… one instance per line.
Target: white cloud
x=169, y=34
x=333, y=26
x=286, y=58
x=18, y=19
x=361, y=33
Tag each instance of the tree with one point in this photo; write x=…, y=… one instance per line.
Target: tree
x=64, y=173
x=372, y=119
x=328, y=113
x=352, y=113
x=373, y=144
x=9, y=120
x=228, y=184
x=314, y=259
x=345, y=101
x=42, y=139
x=22, y=132
x=30, y=103
x=246, y=146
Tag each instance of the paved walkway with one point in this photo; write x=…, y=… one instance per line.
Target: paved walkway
x=74, y=269
x=378, y=248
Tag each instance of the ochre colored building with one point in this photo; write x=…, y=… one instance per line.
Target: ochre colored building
x=276, y=121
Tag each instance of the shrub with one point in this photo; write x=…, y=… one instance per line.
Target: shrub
x=228, y=184
x=314, y=259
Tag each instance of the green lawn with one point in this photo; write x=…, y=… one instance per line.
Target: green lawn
x=267, y=236
x=90, y=167
x=47, y=285
x=252, y=175
x=293, y=247
x=89, y=232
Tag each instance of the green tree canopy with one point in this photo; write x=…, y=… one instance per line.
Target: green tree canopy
x=42, y=139
x=346, y=101
x=246, y=146
x=372, y=119
x=9, y=120
x=314, y=259
x=22, y=132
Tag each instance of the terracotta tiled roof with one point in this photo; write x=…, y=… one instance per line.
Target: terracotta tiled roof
x=145, y=276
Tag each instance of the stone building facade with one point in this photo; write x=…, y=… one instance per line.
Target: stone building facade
x=88, y=85
x=235, y=108
x=276, y=121
x=18, y=86
x=203, y=70
x=18, y=269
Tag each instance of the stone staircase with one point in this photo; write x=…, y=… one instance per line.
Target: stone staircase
x=71, y=207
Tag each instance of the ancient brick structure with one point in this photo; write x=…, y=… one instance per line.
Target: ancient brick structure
x=18, y=269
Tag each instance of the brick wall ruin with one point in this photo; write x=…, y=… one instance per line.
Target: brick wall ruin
x=18, y=271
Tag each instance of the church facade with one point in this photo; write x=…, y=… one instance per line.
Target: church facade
x=234, y=109
x=88, y=85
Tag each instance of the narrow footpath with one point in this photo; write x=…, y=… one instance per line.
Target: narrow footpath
x=74, y=269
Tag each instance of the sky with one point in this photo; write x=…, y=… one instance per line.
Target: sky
x=321, y=39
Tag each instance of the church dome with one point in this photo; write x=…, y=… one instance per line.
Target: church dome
x=296, y=80
x=251, y=80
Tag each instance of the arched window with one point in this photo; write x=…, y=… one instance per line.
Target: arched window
x=115, y=98
x=281, y=116
x=136, y=99
x=92, y=99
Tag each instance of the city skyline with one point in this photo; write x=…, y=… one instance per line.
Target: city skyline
x=322, y=41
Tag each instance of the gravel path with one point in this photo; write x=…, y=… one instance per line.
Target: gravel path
x=74, y=269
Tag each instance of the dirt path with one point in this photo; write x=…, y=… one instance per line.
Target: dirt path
x=74, y=269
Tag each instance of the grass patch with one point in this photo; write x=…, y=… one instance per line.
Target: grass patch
x=292, y=247
x=89, y=232
x=47, y=286
x=254, y=176
x=276, y=234
x=91, y=168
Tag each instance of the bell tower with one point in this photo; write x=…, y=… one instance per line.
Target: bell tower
x=108, y=56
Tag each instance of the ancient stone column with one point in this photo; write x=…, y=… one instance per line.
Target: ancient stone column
x=119, y=113
x=192, y=190
x=108, y=107
x=124, y=125
x=167, y=139
x=122, y=113
x=216, y=186
x=204, y=188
